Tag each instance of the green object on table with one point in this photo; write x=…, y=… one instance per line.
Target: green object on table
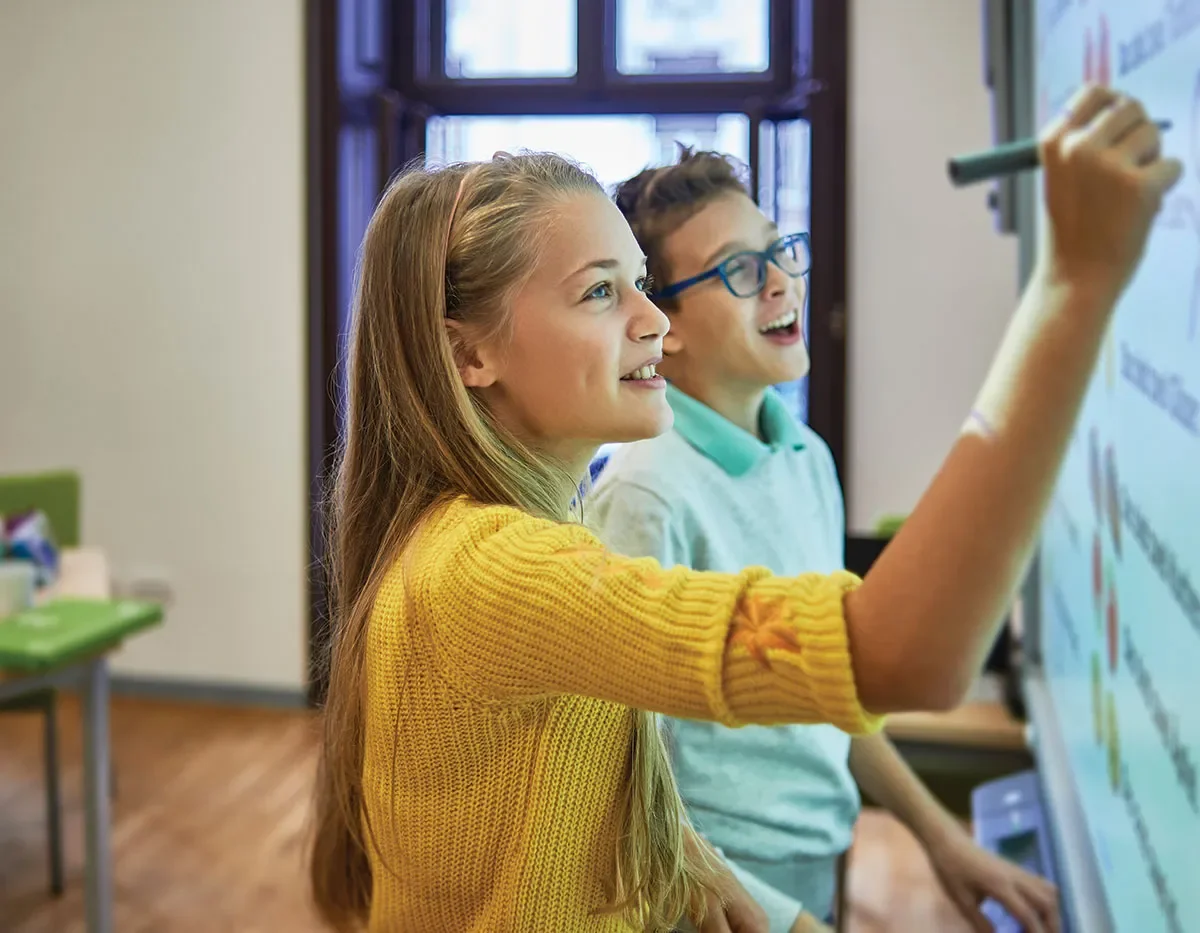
x=56, y=493
x=887, y=526
x=63, y=630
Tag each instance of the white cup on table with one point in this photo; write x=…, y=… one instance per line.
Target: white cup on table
x=17, y=579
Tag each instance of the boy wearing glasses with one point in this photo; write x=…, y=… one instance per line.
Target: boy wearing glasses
x=739, y=481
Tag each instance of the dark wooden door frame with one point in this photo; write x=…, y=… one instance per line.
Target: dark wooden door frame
x=321, y=91
x=828, y=212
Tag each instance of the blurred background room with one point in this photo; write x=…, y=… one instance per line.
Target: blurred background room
x=183, y=186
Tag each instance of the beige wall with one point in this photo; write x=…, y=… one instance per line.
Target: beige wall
x=931, y=283
x=152, y=307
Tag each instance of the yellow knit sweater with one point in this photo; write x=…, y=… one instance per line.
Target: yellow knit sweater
x=505, y=658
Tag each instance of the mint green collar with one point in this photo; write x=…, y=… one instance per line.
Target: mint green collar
x=727, y=445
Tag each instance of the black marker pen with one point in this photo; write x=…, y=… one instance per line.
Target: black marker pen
x=1008, y=159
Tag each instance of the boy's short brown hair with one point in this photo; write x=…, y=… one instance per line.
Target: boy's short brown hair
x=658, y=201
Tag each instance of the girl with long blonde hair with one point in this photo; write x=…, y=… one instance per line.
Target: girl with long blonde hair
x=491, y=759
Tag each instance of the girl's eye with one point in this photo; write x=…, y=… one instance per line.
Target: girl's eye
x=600, y=292
x=645, y=285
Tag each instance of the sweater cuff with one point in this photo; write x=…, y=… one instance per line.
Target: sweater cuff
x=788, y=653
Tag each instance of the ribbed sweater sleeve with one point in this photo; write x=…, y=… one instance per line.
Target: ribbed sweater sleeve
x=520, y=608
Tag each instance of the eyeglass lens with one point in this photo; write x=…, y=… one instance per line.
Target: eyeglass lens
x=746, y=273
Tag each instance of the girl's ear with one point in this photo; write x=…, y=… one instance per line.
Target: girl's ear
x=476, y=366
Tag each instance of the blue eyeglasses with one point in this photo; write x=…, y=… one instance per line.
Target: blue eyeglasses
x=745, y=274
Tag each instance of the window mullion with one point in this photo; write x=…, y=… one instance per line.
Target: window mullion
x=590, y=40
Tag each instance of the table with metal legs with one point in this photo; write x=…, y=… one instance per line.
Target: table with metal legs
x=90, y=678
x=84, y=573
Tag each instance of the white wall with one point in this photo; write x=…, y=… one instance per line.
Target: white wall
x=931, y=282
x=152, y=307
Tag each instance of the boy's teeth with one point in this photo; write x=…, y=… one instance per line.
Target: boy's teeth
x=786, y=320
x=646, y=372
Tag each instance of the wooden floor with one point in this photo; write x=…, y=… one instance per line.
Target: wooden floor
x=210, y=819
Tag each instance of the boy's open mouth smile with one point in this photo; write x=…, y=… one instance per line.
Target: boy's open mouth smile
x=784, y=330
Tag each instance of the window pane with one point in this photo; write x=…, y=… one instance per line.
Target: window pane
x=692, y=36
x=516, y=38
x=785, y=172
x=795, y=395
x=613, y=147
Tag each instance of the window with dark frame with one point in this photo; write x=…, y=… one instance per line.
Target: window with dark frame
x=614, y=83
x=618, y=84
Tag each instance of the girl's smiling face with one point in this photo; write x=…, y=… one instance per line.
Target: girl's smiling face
x=575, y=367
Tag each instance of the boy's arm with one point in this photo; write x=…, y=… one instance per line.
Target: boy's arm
x=886, y=778
x=968, y=873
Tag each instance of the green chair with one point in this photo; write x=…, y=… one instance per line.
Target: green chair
x=57, y=495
